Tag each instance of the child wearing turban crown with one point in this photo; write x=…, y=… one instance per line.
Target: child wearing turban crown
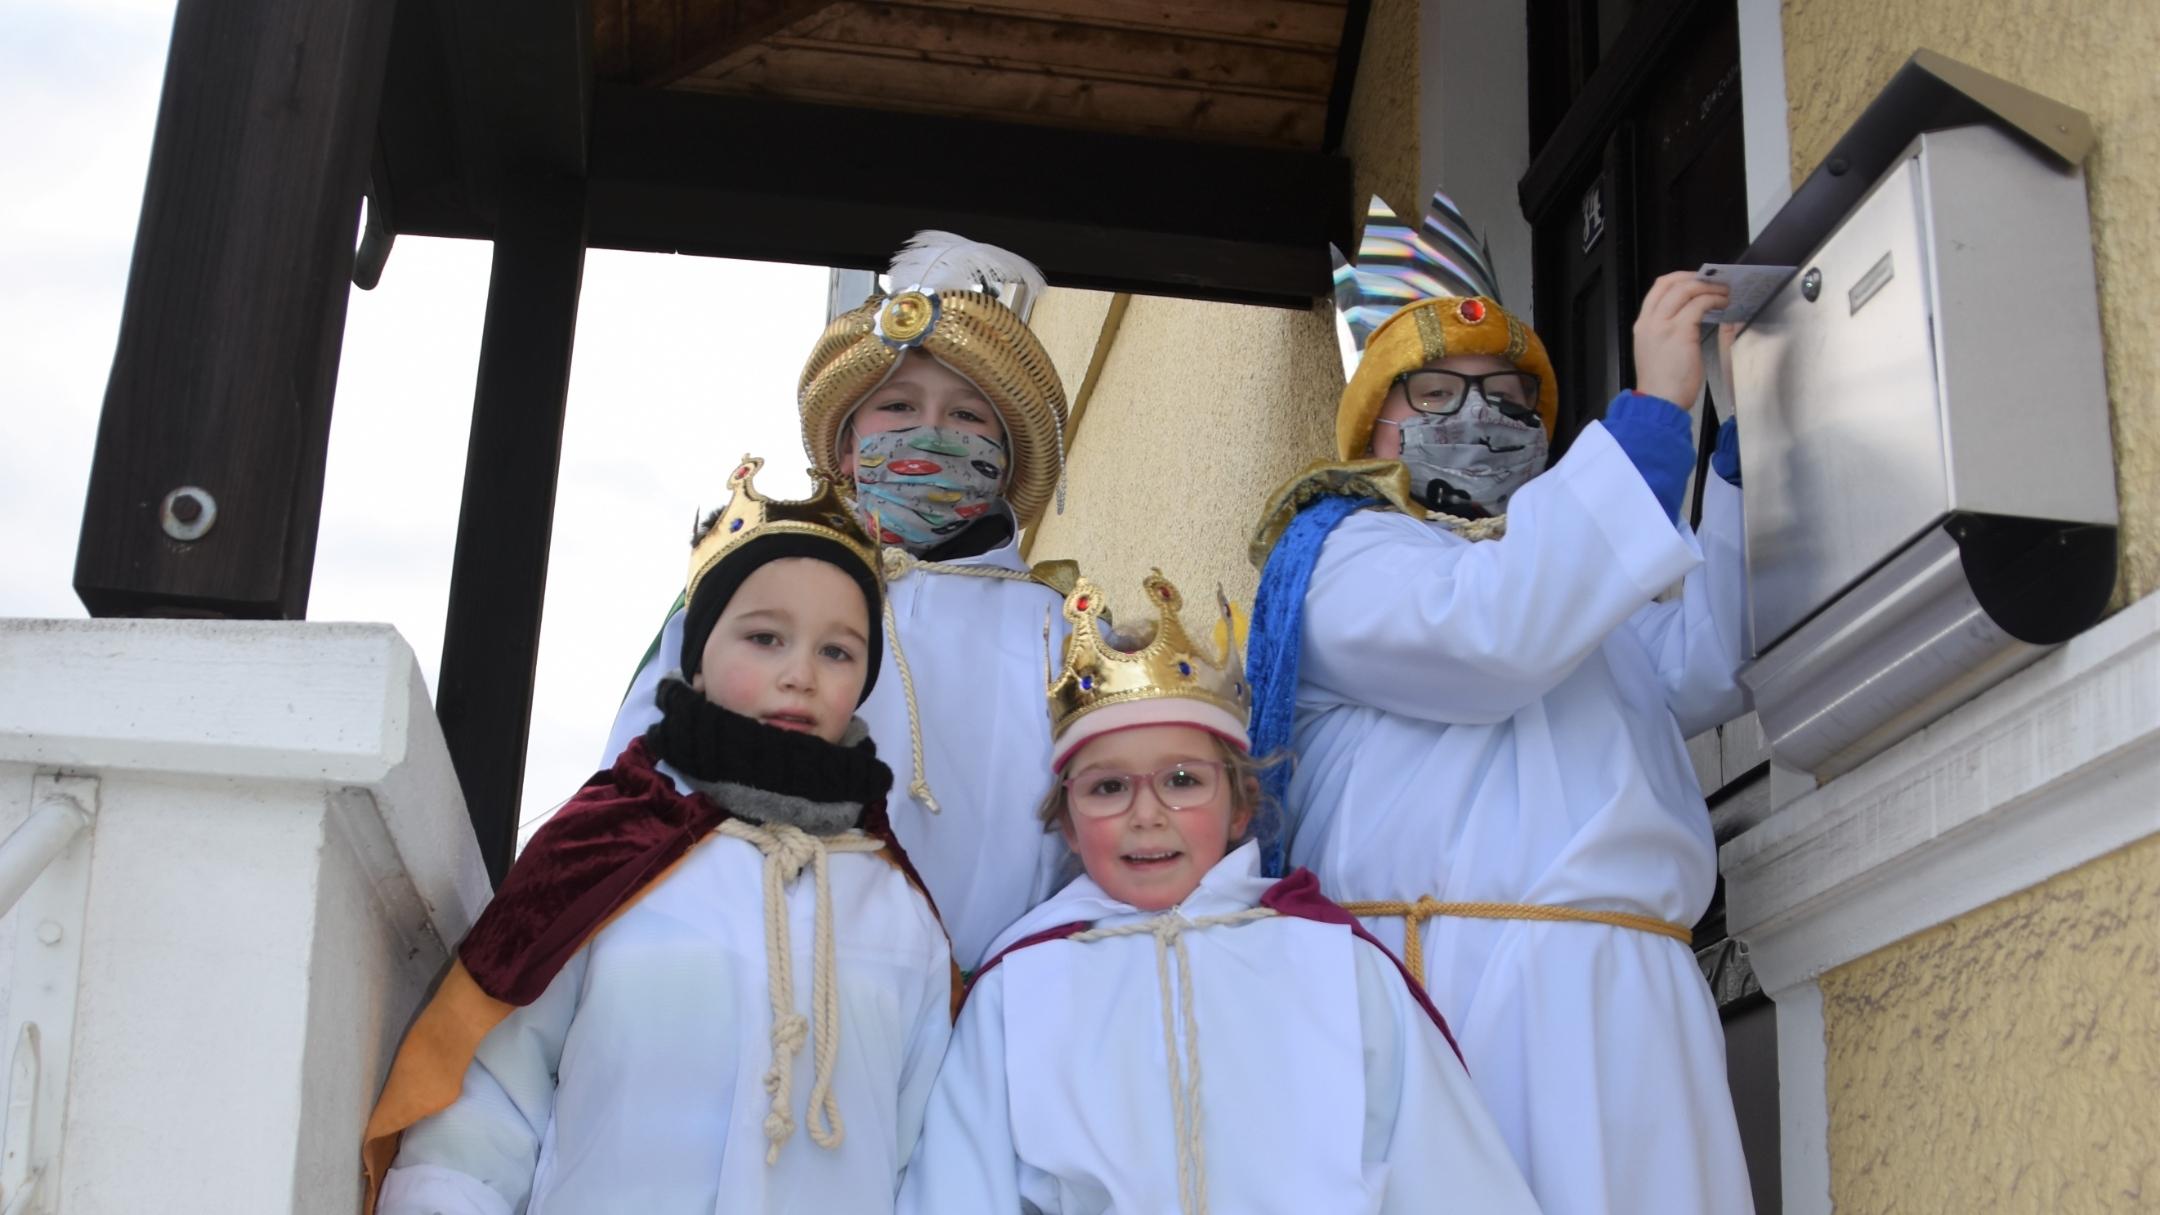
x=711, y=981
x=942, y=413
x=1488, y=699
x=1174, y=1032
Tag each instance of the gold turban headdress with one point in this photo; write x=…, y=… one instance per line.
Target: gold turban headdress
x=965, y=304
x=1416, y=295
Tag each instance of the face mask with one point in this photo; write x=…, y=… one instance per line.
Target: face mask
x=1476, y=457
x=926, y=482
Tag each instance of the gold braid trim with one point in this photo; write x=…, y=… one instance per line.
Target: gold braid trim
x=1387, y=480
x=1415, y=914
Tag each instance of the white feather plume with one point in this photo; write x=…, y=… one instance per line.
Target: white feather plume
x=945, y=261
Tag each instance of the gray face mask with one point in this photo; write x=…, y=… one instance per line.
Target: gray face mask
x=1475, y=457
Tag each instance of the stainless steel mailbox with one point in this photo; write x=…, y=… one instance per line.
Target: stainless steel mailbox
x=1929, y=480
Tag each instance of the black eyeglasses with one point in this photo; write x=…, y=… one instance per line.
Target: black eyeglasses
x=1442, y=393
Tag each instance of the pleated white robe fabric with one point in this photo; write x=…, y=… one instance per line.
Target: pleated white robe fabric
x=975, y=648
x=1324, y=1087
x=1506, y=721
x=634, y=1084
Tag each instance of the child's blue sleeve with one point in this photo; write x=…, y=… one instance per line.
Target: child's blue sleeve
x=1725, y=461
x=1657, y=437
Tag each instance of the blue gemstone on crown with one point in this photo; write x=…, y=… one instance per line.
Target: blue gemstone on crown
x=1087, y=683
x=1185, y=669
x=734, y=525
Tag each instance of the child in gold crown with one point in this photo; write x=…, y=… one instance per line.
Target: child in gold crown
x=716, y=940
x=940, y=413
x=1173, y=1031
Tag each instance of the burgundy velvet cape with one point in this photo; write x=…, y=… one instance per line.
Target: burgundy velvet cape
x=601, y=851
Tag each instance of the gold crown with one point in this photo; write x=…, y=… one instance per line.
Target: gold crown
x=1098, y=672
x=750, y=514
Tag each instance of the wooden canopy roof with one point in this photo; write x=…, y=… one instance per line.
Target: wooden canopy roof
x=1170, y=146
x=1254, y=72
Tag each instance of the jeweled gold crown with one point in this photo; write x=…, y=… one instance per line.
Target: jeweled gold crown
x=1098, y=672
x=750, y=514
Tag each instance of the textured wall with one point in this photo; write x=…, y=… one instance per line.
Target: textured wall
x=2097, y=55
x=1202, y=408
x=2009, y=1060
x=1381, y=138
x=1067, y=322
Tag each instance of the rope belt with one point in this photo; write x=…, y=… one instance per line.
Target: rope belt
x=787, y=850
x=1415, y=914
x=1169, y=930
x=899, y=563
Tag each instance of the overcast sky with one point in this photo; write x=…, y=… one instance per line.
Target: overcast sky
x=682, y=365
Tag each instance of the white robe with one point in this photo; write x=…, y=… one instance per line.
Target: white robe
x=1505, y=721
x=635, y=1082
x=1324, y=1086
x=975, y=647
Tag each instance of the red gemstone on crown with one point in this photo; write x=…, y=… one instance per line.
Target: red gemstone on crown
x=1471, y=311
x=1080, y=604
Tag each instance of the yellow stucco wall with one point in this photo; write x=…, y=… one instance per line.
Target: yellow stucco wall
x=1201, y=408
x=1067, y=322
x=2098, y=55
x=2009, y=1060
x=1381, y=136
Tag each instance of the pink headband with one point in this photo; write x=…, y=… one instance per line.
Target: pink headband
x=1154, y=711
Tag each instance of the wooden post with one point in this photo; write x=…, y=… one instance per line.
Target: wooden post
x=492, y=638
x=206, y=487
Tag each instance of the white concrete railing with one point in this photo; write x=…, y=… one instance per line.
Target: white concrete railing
x=38, y=843
x=243, y=848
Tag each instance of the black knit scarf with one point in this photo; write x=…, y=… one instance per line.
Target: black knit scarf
x=764, y=773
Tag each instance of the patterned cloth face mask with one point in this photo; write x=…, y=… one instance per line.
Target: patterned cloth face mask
x=925, y=483
x=1475, y=457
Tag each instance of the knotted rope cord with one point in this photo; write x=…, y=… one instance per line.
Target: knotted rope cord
x=786, y=850
x=1415, y=914
x=1491, y=527
x=1169, y=929
x=899, y=563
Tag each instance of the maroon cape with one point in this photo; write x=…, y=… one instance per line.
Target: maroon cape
x=606, y=847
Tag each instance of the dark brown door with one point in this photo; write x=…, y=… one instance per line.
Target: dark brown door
x=1637, y=169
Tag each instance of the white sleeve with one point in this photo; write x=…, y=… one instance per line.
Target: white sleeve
x=1403, y=618
x=966, y=1160
x=638, y=712
x=927, y=1042
x=477, y=1157
x=1698, y=640
x=1426, y=1130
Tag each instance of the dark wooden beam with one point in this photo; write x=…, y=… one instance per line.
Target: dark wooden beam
x=666, y=41
x=1352, y=45
x=235, y=312
x=831, y=186
x=498, y=581
x=480, y=93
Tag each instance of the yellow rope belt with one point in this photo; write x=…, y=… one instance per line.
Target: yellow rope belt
x=1415, y=914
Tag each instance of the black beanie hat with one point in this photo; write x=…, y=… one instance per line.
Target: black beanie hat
x=720, y=583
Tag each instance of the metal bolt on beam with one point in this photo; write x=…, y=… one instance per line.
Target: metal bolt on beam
x=188, y=513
